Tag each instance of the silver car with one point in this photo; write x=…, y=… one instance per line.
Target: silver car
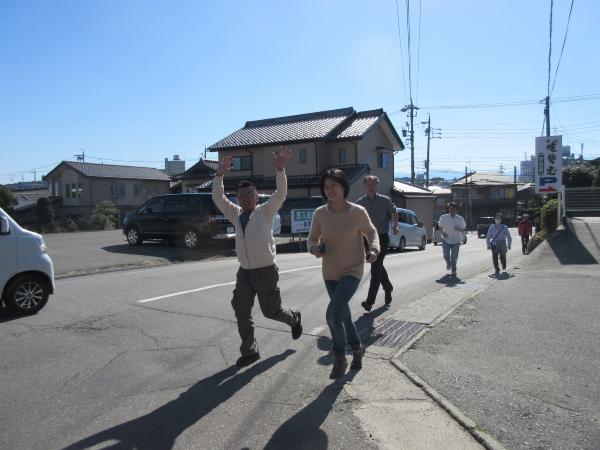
x=411, y=231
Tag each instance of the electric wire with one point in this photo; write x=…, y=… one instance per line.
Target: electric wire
x=401, y=52
x=563, y=46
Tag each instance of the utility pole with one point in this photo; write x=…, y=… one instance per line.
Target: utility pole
x=81, y=157
x=516, y=190
x=467, y=199
x=411, y=108
x=547, y=115
x=428, y=133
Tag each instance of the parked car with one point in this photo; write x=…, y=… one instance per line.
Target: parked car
x=411, y=231
x=189, y=218
x=296, y=203
x=483, y=223
x=26, y=270
x=437, y=234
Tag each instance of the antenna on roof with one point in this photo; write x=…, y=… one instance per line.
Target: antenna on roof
x=82, y=156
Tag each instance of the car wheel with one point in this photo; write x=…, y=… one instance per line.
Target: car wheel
x=134, y=236
x=402, y=244
x=435, y=243
x=190, y=238
x=423, y=243
x=27, y=294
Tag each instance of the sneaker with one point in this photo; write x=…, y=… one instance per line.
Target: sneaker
x=357, y=357
x=496, y=273
x=246, y=360
x=297, y=329
x=388, y=297
x=367, y=306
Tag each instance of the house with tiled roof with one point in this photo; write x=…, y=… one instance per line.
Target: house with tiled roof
x=196, y=177
x=358, y=143
x=480, y=194
x=81, y=186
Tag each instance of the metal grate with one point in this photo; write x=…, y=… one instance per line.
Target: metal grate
x=394, y=333
x=582, y=199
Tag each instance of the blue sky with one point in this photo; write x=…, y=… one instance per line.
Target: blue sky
x=134, y=82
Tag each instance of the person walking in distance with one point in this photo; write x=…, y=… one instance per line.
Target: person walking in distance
x=453, y=228
x=381, y=210
x=337, y=235
x=498, y=240
x=255, y=248
x=525, y=231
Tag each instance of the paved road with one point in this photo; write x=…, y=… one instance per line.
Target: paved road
x=144, y=358
x=521, y=358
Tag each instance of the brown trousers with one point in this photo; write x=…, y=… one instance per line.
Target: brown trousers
x=260, y=282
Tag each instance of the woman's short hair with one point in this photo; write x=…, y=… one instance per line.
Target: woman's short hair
x=337, y=176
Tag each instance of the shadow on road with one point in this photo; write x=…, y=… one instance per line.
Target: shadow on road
x=303, y=430
x=450, y=280
x=568, y=249
x=171, y=252
x=160, y=428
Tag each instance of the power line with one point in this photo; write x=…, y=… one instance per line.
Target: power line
x=401, y=53
x=563, y=46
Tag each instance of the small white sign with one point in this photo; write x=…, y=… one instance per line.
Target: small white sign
x=548, y=164
x=301, y=220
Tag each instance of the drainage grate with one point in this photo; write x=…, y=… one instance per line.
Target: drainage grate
x=394, y=333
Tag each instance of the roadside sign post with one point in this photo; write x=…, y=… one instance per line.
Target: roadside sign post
x=548, y=168
x=301, y=220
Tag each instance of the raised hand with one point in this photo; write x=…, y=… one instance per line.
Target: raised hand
x=281, y=157
x=225, y=166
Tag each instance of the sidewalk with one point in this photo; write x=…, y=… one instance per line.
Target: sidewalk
x=514, y=360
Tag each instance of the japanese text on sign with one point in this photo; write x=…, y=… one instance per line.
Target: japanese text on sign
x=301, y=220
x=548, y=160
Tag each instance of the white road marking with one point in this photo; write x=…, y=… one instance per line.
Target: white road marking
x=212, y=286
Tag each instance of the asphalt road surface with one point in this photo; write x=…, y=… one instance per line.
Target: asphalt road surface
x=145, y=358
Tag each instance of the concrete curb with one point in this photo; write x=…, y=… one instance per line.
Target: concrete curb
x=480, y=435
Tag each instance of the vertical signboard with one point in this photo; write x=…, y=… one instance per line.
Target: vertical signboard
x=548, y=164
x=301, y=220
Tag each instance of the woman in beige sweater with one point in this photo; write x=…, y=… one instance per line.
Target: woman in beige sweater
x=336, y=235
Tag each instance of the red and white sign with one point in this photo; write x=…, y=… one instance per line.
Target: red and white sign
x=548, y=164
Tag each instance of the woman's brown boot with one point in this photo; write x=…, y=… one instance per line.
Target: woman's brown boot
x=339, y=366
x=358, y=353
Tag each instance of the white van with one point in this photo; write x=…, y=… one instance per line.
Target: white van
x=26, y=270
x=411, y=231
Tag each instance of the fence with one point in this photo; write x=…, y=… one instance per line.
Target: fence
x=582, y=200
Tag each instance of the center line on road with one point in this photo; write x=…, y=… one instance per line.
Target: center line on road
x=212, y=286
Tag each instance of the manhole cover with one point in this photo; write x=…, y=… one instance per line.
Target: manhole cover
x=394, y=333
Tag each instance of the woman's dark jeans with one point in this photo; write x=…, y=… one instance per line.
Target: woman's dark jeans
x=338, y=314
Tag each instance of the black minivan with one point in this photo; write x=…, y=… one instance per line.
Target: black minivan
x=189, y=218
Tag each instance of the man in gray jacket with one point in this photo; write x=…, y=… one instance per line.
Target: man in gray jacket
x=255, y=248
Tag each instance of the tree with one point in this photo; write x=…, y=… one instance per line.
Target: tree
x=580, y=176
x=105, y=215
x=7, y=198
x=45, y=214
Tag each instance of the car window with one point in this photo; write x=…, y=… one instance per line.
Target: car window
x=196, y=203
x=175, y=204
x=414, y=219
x=153, y=206
x=403, y=217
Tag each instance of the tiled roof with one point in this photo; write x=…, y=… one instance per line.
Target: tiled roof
x=410, y=189
x=485, y=179
x=28, y=200
x=302, y=127
x=114, y=171
x=359, y=124
x=203, y=168
x=352, y=171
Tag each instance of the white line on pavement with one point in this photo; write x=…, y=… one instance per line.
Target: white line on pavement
x=212, y=286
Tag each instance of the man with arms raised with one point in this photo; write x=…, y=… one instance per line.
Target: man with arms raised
x=255, y=248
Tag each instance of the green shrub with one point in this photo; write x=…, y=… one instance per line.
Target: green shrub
x=71, y=225
x=548, y=216
x=536, y=240
x=104, y=217
x=45, y=215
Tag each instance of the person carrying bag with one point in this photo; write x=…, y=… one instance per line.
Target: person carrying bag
x=498, y=240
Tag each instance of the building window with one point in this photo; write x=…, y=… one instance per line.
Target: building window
x=302, y=155
x=503, y=193
x=342, y=155
x=117, y=190
x=73, y=190
x=241, y=163
x=382, y=160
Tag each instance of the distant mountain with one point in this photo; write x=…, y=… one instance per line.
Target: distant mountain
x=433, y=174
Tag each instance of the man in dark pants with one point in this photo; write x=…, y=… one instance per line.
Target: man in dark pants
x=381, y=210
x=255, y=248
